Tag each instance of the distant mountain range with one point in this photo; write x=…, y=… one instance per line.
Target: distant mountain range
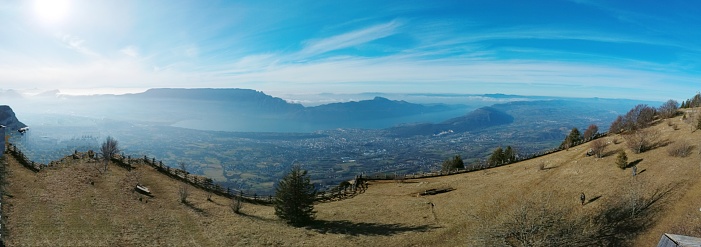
x=242, y=110
x=478, y=119
x=245, y=110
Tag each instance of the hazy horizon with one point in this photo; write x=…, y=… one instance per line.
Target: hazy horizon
x=567, y=48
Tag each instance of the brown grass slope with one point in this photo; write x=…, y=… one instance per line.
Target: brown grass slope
x=61, y=207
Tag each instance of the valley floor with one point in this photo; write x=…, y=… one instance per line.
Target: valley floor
x=76, y=205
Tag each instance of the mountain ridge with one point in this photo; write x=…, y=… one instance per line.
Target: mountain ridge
x=9, y=119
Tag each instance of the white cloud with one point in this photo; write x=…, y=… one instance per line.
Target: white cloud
x=131, y=51
x=77, y=44
x=357, y=37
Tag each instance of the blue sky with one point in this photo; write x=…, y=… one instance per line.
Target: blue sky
x=581, y=48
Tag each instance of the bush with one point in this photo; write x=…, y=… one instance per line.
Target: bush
x=237, y=203
x=622, y=160
x=680, y=149
x=542, y=219
x=294, y=198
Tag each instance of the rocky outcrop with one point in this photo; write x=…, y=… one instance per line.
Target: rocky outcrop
x=8, y=119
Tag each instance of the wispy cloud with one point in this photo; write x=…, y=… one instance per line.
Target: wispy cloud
x=130, y=51
x=350, y=39
x=77, y=44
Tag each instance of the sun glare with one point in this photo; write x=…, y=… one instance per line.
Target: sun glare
x=51, y=11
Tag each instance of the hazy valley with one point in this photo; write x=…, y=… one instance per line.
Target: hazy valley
x=334, y=142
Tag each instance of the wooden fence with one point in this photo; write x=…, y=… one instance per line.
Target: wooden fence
x=201, y=182
x=477, y=167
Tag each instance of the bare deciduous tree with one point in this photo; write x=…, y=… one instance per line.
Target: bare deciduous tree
x=591, y=131
x=184, y=190
x=109, y=149
x=597, y=147
x=669, y=109
x=641, y=140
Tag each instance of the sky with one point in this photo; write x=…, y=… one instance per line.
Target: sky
x=645, y=49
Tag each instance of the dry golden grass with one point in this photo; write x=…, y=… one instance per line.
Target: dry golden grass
x=60, y=207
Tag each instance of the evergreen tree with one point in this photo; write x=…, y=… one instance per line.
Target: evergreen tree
x=509, y=155
x=458, y=163
x=452, y=164
x=622, y=160
x=497, y=157
x=294, y=198
x=571, y=139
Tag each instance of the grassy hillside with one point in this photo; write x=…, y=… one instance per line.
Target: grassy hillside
x=75, y=205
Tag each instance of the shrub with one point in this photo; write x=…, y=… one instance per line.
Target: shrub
x=622, y=160
x=680, y=149
x=237, y=203
x=542, y=219
x=183, y=192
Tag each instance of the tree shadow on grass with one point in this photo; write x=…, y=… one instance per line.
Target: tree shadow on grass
x=593, y=199
x=196, y=209
x=634, y=163
x=255, y=217
x=365, y=229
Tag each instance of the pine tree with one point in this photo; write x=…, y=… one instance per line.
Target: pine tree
x=622, y=160
x=571, y=139
x=294, y=198
x=458, y=163
x=452, y=164
x=497, y=157
x=509, y=155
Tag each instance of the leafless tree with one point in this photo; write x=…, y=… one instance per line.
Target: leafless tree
x=641, y=140
x=184, y=190
x=639, y=117
x=109, y=149
x=669, y=109
x=597, y=147
x=618, y=125
x=590, y=132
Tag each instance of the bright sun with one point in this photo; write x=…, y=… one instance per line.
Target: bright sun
x=51, y=11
